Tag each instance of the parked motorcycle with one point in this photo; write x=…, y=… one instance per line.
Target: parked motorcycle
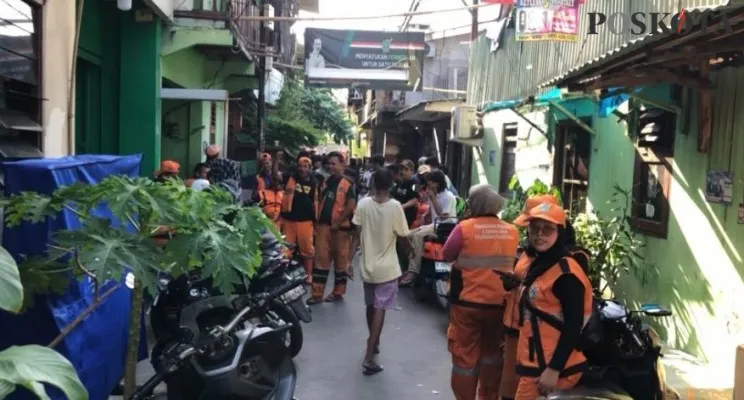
x=177, y=293
x=224, y=351
x=432, y=282
x=625, y=362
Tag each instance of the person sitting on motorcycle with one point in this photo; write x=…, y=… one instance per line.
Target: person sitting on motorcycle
x=478, y=246
x=201, y=172
x=168, y=169
x=554, y=301
x=509, y=378
x=441, y=207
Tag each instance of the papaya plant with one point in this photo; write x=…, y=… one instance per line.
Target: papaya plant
x=515, y=204
x=120, y=241
x=31, y=366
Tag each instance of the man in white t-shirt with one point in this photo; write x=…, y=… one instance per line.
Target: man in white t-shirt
x=379, y=221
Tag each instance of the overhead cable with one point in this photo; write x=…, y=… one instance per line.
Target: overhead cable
x=405, y=14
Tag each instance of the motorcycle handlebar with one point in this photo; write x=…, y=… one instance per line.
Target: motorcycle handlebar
x=159, y=377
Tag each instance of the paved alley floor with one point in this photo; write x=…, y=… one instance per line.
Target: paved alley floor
x=413, y=351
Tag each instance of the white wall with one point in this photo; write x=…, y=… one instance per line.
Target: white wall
x=533, y=159
x=57, y=46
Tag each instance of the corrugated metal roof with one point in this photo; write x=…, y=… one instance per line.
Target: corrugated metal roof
x=517, y=69
x=631, y=47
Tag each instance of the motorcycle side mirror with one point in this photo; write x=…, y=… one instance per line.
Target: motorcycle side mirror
x=655, y=310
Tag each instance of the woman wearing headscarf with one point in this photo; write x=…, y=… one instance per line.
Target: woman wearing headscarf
x=555, y=300
x=509, y=378
x=478, y=246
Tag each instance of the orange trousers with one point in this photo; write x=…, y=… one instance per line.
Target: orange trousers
x=509, y=377
x=474, y=338
x=302, y=234
x=529, y=390
x=331, y=247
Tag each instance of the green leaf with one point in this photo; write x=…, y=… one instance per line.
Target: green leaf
x=11, y=291
x=32, y=365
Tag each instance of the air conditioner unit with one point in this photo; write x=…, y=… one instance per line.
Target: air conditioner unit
x=431, y=50
x=464, y=122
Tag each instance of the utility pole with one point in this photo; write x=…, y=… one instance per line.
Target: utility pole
x=474, y=24
x=261, y=77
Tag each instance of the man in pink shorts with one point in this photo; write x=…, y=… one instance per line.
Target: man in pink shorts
x=379, y=221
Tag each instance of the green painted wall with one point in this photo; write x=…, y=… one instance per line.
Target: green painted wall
x=191, y=77
x=139, y=97
x=97, y=80
x=697, y=271
x=117, y=98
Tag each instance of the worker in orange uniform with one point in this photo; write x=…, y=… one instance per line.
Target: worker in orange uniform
x=298, y=212
x=478, y=246
x=509, y=378
x=168, y=169
x=266, y=169
x=555, y=300
x=333, y=237
x=270, y=198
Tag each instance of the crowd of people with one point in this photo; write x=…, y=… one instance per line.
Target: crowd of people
x=517, y=310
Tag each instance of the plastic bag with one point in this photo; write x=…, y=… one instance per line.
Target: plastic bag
x=356, y=263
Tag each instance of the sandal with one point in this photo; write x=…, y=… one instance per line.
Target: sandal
x=371, y=368
x=332, y=298
x=408, y=279
x=313, y=300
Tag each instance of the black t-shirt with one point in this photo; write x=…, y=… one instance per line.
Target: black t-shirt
x=404, y=192
x=303, y=207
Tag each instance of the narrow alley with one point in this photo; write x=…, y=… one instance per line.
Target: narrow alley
x=413, y=351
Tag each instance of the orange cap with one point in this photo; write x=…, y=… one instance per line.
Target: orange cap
x=533, y=202
x=212, y=150
x=304, y=160
x=548, y=212
x=169, y=166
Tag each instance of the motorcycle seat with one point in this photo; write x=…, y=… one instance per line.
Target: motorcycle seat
x=588, y=393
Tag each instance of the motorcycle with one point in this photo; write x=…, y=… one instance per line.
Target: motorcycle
x=625, y=363
x=224, y=351
x=289, y=308
x=433, y=279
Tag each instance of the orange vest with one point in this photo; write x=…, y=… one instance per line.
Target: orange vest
x=339, y=203
x=542, y=319
x=271, y=202
x=289, y=192
x=511, y=311
x=421, y=210
x=260, y=183
x=488, y=243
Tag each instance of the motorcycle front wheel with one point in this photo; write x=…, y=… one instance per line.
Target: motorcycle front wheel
x=295, y=332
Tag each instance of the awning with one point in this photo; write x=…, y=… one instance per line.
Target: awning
x=475, y=142
x=194, y=94
x=18, y=122
x=649, y=59
x=429, y=110
x=553, y=98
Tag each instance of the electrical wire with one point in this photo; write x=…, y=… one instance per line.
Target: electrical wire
x=410, y=13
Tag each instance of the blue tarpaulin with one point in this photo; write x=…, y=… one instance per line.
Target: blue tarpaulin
x=610, y=102
x=97, y=346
